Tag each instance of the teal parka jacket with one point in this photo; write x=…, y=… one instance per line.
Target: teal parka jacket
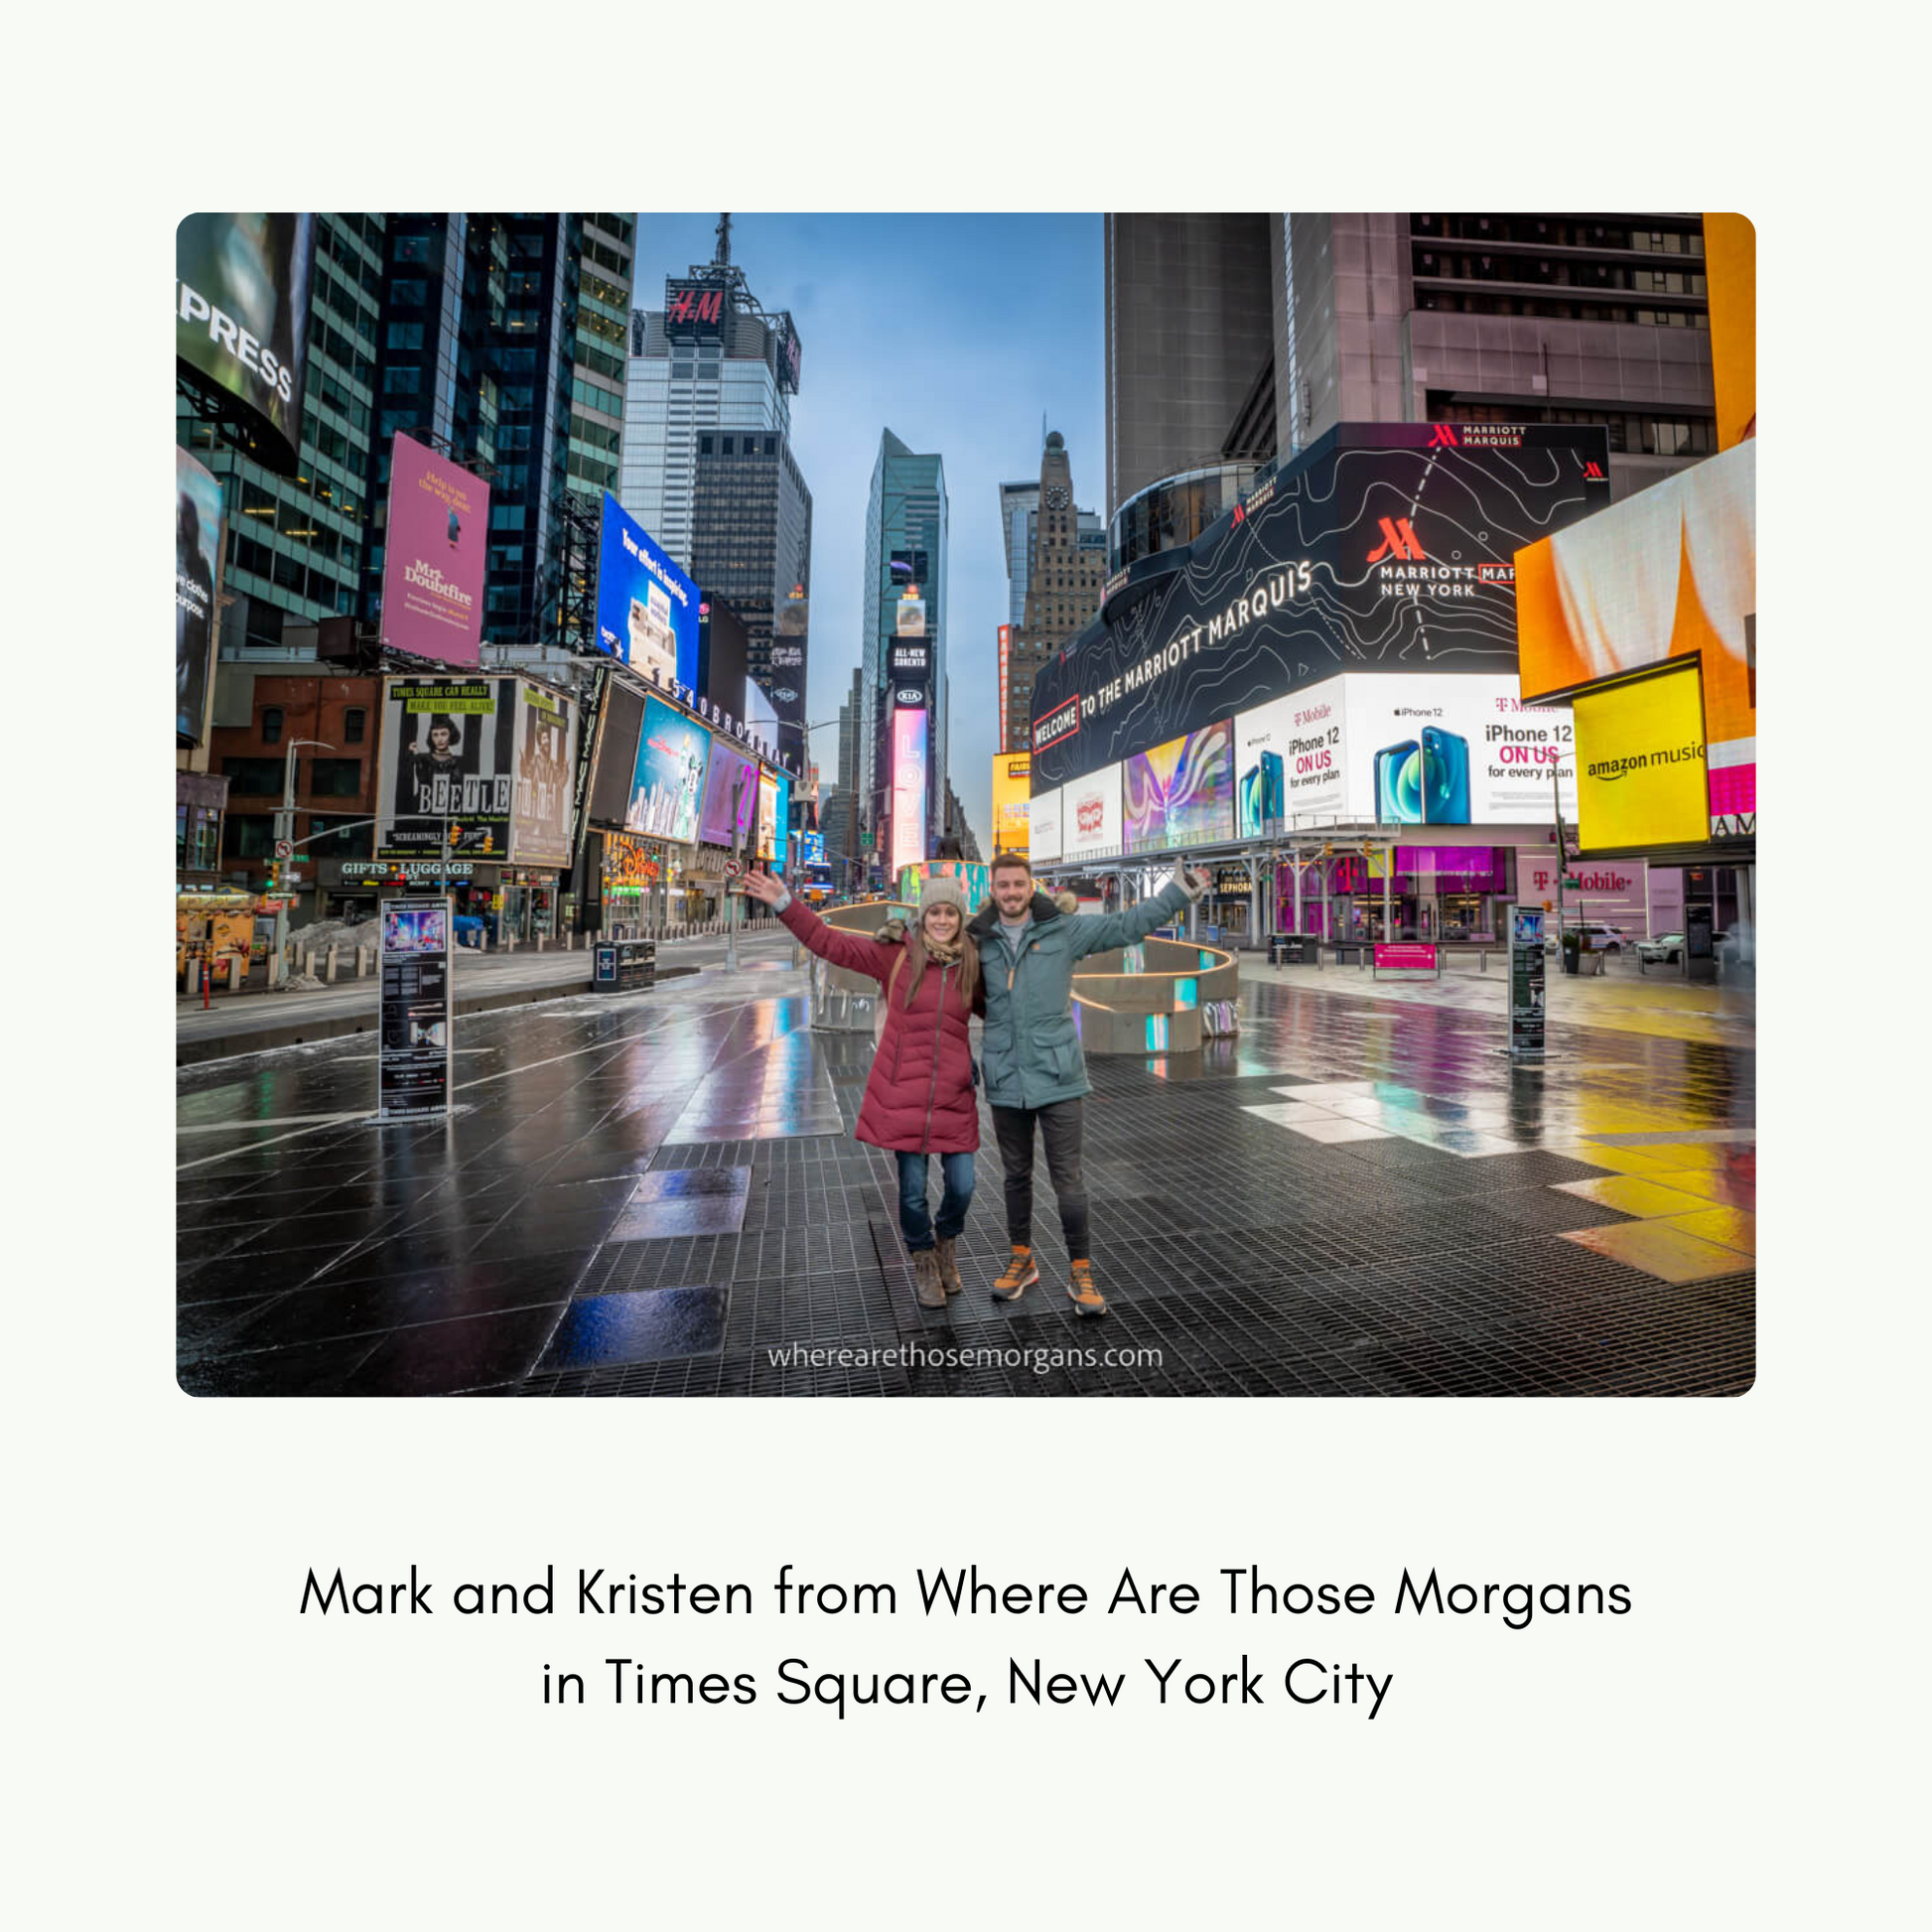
x=1030, y=1051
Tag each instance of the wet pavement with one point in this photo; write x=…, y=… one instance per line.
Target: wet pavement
x=658, y=1193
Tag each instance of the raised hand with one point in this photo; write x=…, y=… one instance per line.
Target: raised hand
x=762, y=886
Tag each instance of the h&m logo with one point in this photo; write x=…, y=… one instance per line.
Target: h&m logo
x=695, y=305
x=1398, y=541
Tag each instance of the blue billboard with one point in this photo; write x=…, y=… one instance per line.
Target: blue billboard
x=646, y=607
x=667, y=781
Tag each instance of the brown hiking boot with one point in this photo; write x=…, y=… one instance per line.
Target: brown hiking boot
x=948, y=1265
x=1019, y=1276
x=1086, y=1298
x=926, y=1284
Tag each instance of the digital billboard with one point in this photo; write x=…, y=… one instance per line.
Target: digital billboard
x=617, y=754
x=1091, y=818
x=1670, y=573
x=1454, y=751
x=646, y=607
x=1178, y=794
x=198, y=568
x=1730, y=276
x=908, y=787
x=728, y=767
x=1012, y=781
x=910, y=620
x=449, y=758
x=1640, y=760
x=241, y=323
x=668, y=779
x=761, y=720
x=1043, y=828
x=789, y=642
x=1384, y=548
x=811, y=848
x=436, y=552
x=1291, y=769
x=546, y=768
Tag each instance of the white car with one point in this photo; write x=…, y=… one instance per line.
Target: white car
x=1598, y=937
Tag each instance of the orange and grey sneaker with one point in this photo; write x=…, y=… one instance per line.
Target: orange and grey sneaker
x=1086, y=1298
x=1019, y=1276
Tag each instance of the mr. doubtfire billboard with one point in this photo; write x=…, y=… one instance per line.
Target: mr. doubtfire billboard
x=1385, y=548
x=435, y=557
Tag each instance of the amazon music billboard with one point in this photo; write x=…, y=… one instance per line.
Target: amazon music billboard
x=1385, y=547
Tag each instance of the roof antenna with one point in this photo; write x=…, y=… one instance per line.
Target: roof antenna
x=723, y=258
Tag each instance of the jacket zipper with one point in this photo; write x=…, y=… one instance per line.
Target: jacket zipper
x=938, y=1019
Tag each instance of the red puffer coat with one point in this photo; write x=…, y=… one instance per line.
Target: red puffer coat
x=920, y=1098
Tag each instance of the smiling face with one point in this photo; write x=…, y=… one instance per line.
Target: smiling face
x=941, y=922
x=1013, y=889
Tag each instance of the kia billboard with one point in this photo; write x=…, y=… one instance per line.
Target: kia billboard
x=1178, y=794
x=646, y=607
x=242, y=324
x=1091, y=818
x=1669, y=575
x=667, y=780
x=1384, y=548
x=198, y=568
x=729, y=768
x=908, y=788
x=436, y=552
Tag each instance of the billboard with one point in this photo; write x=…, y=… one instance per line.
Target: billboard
x=546, y=770
x=908, y=788
x=1613, y=890
x=1006, y=654
x=646, y=607
x=1091, y=818
x=1454, y=751
x=241, y=323
x=1669, y=574
x=436, y=552
x=910, y=616
x=786, y=677
x=1730, y=276
x=1384, y=547
x=448, y=757
x=1012, y=781
x=198, y=568
x=1291, y=769
x=1043, y=828
x=617, y=754
x=761, y=720
x=1640, y=762
x=728, y=767
x=695, y=307
x=667, y=776
x=1178, y=794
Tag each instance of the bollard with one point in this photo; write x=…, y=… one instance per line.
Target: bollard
x=361, y=961
x=541, y=937
x=330, y=975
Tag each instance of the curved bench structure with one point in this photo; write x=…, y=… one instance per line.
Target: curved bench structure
x=844, y=1002
x=1116, y=1010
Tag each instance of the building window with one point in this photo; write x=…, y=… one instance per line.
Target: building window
x=355, y=722
x=335, y=778
x=272, y=725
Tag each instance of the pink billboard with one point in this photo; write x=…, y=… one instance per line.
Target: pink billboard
x=908, y=788
x=434, y=552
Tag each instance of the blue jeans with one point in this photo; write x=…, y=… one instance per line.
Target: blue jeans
x=915, y=1222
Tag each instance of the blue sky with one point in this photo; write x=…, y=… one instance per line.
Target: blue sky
x=956, y=332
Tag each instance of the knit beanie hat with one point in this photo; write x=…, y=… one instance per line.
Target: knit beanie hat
x=943, y=890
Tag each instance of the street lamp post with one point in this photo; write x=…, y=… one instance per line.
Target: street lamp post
x=285, y=834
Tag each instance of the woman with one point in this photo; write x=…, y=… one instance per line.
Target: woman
x=919, y=1099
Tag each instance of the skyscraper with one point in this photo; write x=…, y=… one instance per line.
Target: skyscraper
x=708, y=468
x=1065, y=564
x=903, y=653
x=597, y=378
x=296, y=545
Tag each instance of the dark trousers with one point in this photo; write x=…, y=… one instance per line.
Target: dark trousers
x=1059, y=1126
x=915, y=1222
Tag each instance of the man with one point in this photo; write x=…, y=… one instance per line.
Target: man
x=1036, y=1073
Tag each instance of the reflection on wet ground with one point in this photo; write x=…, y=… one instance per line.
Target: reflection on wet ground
x=650, y=1193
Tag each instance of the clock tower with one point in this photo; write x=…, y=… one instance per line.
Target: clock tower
x=1063, y=583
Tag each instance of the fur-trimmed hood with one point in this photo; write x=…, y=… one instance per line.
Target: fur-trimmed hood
x=1043, y=910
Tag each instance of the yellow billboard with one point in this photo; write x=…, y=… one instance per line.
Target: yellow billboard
x=1640, y=768
x=1730, y=282
x=1012, y=786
